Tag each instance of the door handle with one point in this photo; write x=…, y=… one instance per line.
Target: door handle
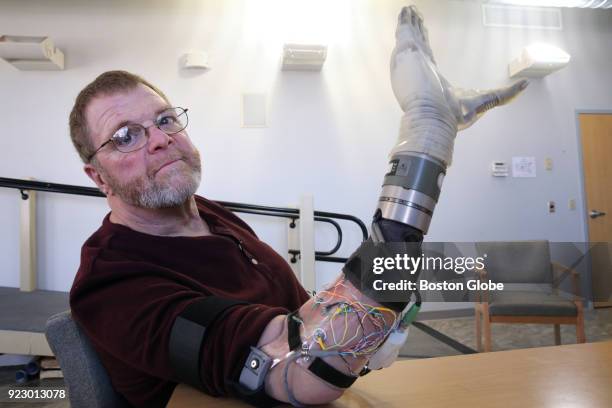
x=595, y=213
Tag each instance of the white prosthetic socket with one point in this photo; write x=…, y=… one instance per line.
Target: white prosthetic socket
x=322, y=348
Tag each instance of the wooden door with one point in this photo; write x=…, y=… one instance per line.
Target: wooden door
x=596, y=138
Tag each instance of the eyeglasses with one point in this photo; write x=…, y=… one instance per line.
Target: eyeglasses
x=134, y=136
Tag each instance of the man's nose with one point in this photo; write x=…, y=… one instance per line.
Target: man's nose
x=157, y=139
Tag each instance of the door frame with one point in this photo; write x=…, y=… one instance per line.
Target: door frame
x=588, y=280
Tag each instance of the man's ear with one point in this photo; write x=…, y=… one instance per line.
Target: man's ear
x=96, y=176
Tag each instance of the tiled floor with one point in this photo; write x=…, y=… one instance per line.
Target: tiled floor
x=598, y=327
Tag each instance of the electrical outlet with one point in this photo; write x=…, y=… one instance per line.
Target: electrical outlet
x=571, y=204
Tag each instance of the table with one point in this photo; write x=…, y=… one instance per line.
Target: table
x=577, y=375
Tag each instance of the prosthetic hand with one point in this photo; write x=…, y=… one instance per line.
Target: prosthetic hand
x=320, y=350
x=433, y=109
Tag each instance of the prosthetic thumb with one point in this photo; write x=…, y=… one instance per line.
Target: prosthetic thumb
x=469, y=105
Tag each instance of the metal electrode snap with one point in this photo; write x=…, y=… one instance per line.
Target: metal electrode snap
x=254, y=364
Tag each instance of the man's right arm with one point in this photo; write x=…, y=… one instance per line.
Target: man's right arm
x=129, y=313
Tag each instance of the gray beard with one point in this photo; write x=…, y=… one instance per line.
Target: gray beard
x=168, y=195
x=148, y=193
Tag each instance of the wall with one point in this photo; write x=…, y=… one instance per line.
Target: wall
x=329, y=132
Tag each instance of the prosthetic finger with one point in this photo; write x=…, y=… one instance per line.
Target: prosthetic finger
x=410, y=28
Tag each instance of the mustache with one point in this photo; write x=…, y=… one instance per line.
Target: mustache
x=165, y=161
x=193, y=161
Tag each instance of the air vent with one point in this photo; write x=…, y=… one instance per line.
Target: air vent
x=521, y=17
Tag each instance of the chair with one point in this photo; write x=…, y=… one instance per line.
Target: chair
x=88, y=383
x=525, y=262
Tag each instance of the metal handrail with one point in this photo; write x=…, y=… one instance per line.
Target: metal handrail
x=296, y=252
x=291, y=213
x=49, y=187
x=295, y=211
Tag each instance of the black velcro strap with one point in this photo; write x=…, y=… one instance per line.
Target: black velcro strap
x=187, y=335
x=293, y=331
x=329, y=374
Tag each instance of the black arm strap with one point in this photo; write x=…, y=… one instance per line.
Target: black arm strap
x=331, y=375
x=188, y=333
x=318, y=367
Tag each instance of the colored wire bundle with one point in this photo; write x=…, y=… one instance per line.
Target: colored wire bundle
x=340, y=313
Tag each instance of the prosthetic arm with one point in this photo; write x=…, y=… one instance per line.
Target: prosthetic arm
x=312, y=355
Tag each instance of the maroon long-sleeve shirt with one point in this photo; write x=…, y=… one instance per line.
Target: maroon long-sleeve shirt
x=131, y=286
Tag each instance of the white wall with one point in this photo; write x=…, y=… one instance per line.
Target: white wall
x=329, y=132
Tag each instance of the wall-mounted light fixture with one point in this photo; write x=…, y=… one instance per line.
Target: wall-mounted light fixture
x=538, y=60
x=195, y=60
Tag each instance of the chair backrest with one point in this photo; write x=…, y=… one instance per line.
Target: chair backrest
x=88, y=383
x=517, y=261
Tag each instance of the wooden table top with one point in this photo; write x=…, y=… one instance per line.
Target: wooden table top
x=578, y=375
